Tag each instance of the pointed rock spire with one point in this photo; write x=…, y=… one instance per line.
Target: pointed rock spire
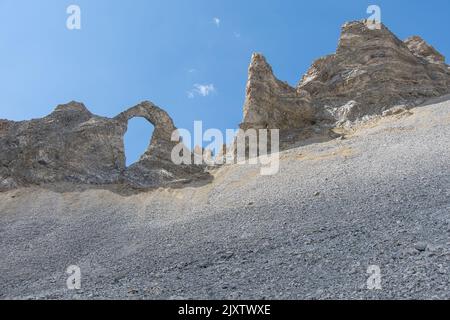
x=271, y=103
x=420, y=48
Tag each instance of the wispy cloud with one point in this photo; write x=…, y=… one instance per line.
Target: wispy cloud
x=203, y=90
x=216, y=21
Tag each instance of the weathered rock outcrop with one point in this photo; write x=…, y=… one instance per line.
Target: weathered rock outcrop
x=371, y=71
x=423, y=50
x=377, y=71
x=73, y=145
x=271, y=103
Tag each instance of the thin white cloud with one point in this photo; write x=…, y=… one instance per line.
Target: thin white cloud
x=216, y=21
x=202, y=90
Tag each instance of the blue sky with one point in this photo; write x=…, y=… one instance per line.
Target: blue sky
x=159, y=50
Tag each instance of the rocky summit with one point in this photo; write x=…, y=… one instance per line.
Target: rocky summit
x=371, y=72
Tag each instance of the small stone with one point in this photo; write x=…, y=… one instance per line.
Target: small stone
x=394, y=111
x=316, y=194
x=442, y=270
x=421, y=246
x=133, y=291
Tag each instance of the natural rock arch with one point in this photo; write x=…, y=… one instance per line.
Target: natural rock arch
x=74, y=145
x=160, y=145
x=155, y=167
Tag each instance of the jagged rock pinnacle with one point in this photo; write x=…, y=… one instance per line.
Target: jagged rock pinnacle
x=371, y=71
x=423, y=50
x=271, y=103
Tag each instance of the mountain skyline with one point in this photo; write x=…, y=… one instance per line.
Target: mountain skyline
x=189, y=58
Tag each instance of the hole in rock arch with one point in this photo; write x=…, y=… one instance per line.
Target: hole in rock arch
x=137, y=139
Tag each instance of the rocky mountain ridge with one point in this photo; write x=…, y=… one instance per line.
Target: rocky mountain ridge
x=74, y=145
x=371, y=72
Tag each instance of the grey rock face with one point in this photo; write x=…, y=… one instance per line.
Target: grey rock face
x=73, y=145
x=371, y=71
x=70, y=144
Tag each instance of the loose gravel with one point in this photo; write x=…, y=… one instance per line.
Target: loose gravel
x=379, y=197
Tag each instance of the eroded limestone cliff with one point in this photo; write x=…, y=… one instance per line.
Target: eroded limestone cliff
x=371, y=71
